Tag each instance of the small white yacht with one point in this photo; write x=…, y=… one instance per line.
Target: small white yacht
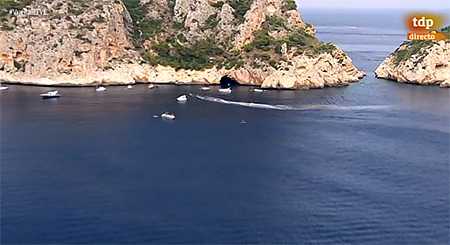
x=151, y=86
x=182, y=98
x=168, y=116
x=50, y=95
x=205, y=88
x=225, y=90
x=100, y=89
x=258, y=90
x=129, y=87
x=3, y=87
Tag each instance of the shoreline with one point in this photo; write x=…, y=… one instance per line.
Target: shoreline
x=174, y=83
x=168, y=84
x=412, y=83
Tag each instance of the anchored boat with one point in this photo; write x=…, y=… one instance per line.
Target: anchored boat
x=225, y=90
x=168, y=116
x=182, y=98
x=100, y=89
x=50, y=95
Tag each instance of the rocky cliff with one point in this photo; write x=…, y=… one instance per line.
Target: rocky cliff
x=79, y=42
x=419, y=62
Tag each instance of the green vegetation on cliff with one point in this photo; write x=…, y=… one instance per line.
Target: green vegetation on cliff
x=172, y=44
x=306, y=44
x=136, y=9
x=203, y=54
x=217, y=4
x=289, y=5
x=240, y=8
x=445, y=30
x=210, y=23
x=169, y=45
x=410, y=48
x=143, y=28
x=6, y=5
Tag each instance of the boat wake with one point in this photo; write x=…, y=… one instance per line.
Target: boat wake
x=286, y=107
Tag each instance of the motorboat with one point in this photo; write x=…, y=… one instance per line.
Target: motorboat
x=50, y=95
x=3, y=87
x=129, y=87
x=258, y=90
x=151, y=86
x=100, y=89
x=225, y=90
x=205, y=88
x=168, y=116
x=182, y=98
x=155, y=116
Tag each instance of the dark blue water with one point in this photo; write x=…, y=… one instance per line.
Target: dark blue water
x=371, y=166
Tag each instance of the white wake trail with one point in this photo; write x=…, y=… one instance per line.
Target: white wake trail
x=289, y=108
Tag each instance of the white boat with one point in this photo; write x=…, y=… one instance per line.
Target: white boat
x=129, y=87
x=182, y=98
x=225, y=90
x=205, y=88
x=151, y=86
x=168, y=116
x=258, y=90
x=155, y=116
x=100, y=89
x=50, y=94
x=3, y=87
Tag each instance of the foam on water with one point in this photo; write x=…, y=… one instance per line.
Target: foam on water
x=290, y=108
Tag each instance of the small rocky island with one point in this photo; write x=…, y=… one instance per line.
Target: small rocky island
x=419, y=62
x=90, y=42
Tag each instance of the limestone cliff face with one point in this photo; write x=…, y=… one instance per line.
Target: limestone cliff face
x=68, y=42
x=425, y=63
x=256, y=42
x=325, y=70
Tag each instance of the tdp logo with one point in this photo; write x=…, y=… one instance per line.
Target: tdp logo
x=424, y=22
x=423, y=26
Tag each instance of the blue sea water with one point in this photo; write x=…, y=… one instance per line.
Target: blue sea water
x=367, y=163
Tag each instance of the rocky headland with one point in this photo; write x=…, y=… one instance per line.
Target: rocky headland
x=419, y=62
x=90, y=42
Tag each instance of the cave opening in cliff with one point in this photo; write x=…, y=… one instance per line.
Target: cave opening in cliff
x=226, y=82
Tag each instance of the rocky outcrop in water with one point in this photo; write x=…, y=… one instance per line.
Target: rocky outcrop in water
x=255, y=42
x=418, y=62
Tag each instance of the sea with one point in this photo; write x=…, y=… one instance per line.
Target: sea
x=366, y=163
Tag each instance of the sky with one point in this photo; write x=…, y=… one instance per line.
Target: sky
x=376, y=4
